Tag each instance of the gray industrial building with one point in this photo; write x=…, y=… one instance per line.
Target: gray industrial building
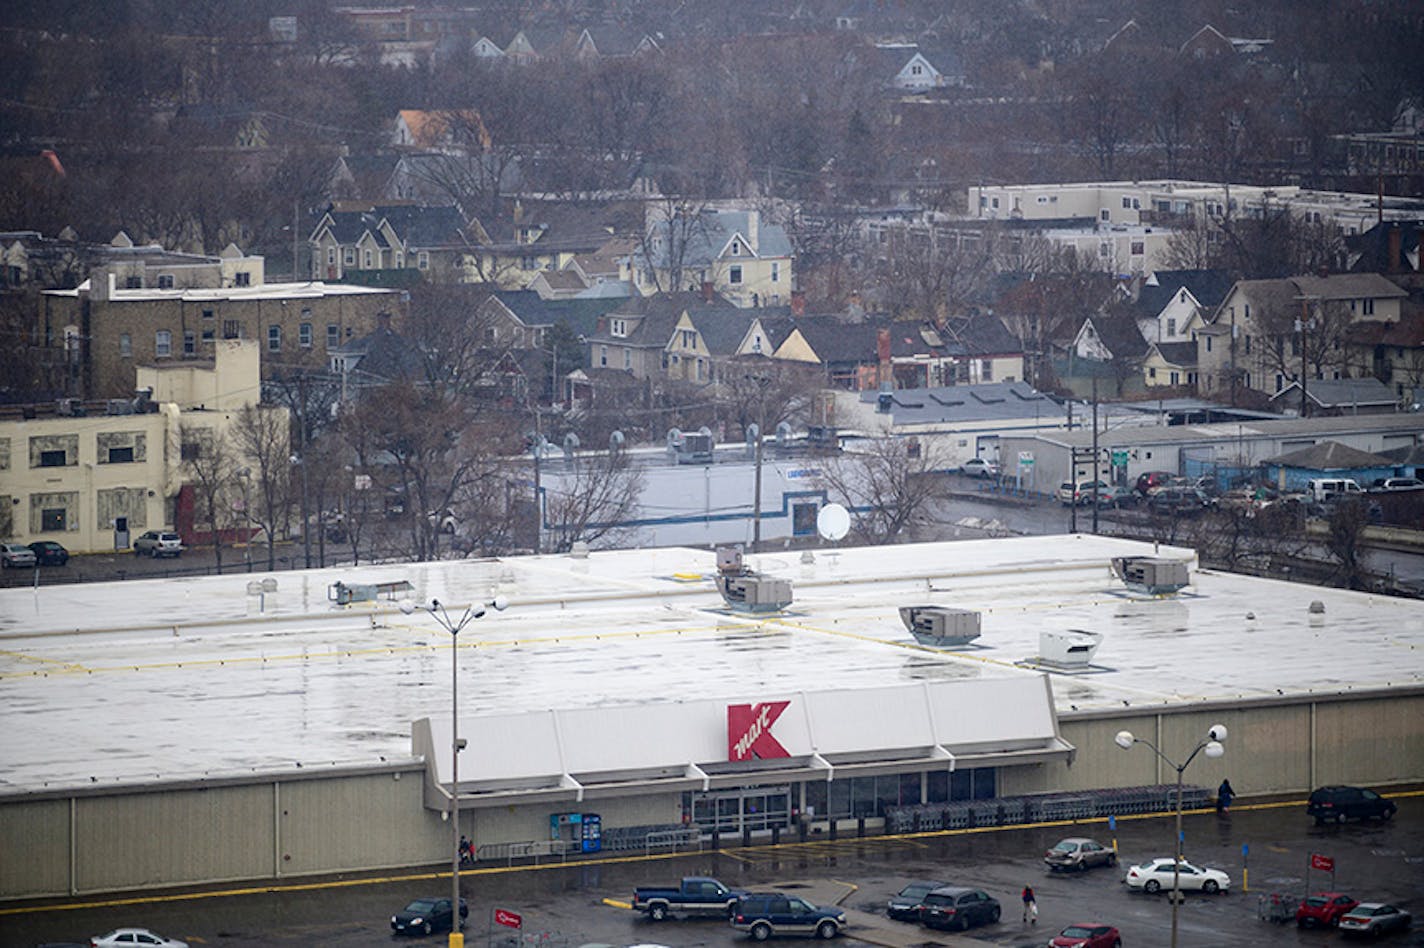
x=176, y=732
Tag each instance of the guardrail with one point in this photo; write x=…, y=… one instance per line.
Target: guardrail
x=1042, y=807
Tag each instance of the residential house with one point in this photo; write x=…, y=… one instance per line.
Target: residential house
x=29, y=259
x=1266, y=333
x=94, y=475
x=1170, y=365
x=613, y=41
x=459, y=131
x=657, y=337
x=1110, y=338
x=744, y=259
x=1294, y=469
x=546, y=236
x=1368, y=396
x=107, y=327
x=908, y=67
x=1391, y=248
x=1170, y=306
x=349, y=240
x=1392, y=352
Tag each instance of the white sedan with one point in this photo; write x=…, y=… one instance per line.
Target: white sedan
x=134, y=938
x=1156, y=875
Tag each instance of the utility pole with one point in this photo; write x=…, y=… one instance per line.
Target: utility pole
x=1072, y=475
x=1095, y=453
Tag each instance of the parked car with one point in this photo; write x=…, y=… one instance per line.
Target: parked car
x=158, y=543
x=1396, y=483
x=1323, y=909
x=905, y=904
x=1077, y=852
x=694, y=895
x=1087, y=935
x=1156, y=875
x=1177, y=501
x=1374, y=919
x=424, y=916
x=1323, y=489
x=134, y=938
x=1082, y=492
x=1150, y=480
x=980, y=467
x=1115, y=496
x=955, y=907
x=15, y=556
x=764, y=914
x=1338, y=804
x=49, y=553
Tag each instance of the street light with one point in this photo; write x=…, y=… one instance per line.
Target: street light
x=1213, y=747
x=453, y=626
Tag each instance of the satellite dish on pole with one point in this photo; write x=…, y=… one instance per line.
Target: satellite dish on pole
x=833, y=522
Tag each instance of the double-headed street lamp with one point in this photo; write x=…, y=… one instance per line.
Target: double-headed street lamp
x=1215, y=735
x=453, y=626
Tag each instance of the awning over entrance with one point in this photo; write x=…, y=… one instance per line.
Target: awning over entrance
x=575, y=754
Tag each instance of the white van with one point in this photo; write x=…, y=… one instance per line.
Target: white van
x=1322, y=489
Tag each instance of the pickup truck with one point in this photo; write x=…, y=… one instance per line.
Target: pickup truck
x=697, y=895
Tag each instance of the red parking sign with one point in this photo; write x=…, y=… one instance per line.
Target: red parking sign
x=508, y=919
x=1324, y=863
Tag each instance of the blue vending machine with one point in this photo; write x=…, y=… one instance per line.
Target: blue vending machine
x=592, y=833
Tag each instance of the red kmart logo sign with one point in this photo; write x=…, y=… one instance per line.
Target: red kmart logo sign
x=749, y=731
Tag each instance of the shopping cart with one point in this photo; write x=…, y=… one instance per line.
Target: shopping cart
x=1278, y=907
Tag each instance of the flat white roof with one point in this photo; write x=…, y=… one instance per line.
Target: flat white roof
x=173, y=679
x=314, y=289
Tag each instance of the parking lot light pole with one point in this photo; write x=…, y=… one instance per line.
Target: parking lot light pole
x=1215, y=735
x=453, y=626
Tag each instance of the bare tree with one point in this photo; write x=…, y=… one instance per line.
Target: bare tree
x=261, y=434
x=673, y=227
x=888, y=483
x=591, y=499
x=210, y=466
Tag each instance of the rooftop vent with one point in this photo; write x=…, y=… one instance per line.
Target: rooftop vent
x=1073, y=648
x=941, y=626
x=751, y=592
x=1153, y=576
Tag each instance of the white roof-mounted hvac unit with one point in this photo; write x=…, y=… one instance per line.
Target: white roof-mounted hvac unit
x=941, y=626
x=1150, y=575
x=1072, y=648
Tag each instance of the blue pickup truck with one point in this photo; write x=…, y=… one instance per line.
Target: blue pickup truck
x=697, y=895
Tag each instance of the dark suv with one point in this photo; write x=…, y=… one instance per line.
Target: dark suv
x=954, y=907
x=1338, y=804
x=1177, y=502
x=764, y=914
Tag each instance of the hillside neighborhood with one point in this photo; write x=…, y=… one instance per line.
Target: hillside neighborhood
x=513, y=274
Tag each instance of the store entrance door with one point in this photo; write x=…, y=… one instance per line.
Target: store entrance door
x=752, y=808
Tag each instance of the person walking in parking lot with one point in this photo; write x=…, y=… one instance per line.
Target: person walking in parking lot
x=1030, y=913
x=1224, y=793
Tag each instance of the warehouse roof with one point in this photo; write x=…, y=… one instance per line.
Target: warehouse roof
x=151, y=681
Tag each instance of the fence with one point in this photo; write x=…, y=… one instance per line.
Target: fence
x=1043, y=807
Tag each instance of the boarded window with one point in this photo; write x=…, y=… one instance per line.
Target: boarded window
x=50, y=512
x=54, y=450
x=121, y=447
x=5, y=456
x=130, y=502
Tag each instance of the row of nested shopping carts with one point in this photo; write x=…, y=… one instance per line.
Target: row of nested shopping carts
x=1042, y=807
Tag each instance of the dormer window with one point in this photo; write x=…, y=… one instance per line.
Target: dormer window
x=618, y=327
x=736, y=248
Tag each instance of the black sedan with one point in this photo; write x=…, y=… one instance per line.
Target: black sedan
x=49, y=553
x=424, y=916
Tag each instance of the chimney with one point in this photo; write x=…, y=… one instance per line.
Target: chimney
x=1396, y=240
x=882, y=353
x=383, y=322
x=707, y=292
x=798, y=303
x=752, y=230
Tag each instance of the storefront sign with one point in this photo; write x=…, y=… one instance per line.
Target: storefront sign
x=749, y=731
x=1324, y=863
x=508, y=919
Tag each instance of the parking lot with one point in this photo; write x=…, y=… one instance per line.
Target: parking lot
x=571, y=905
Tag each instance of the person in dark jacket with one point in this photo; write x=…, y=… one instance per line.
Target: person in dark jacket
x=1224, y=793
x=1030, y=905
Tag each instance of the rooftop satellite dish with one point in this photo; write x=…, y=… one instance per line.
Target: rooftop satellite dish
x=833, y=522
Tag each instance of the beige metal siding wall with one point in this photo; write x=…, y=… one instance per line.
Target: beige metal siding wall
x=141, y=840
x=1370, y=741
x=34, y=847
x=365, y=822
